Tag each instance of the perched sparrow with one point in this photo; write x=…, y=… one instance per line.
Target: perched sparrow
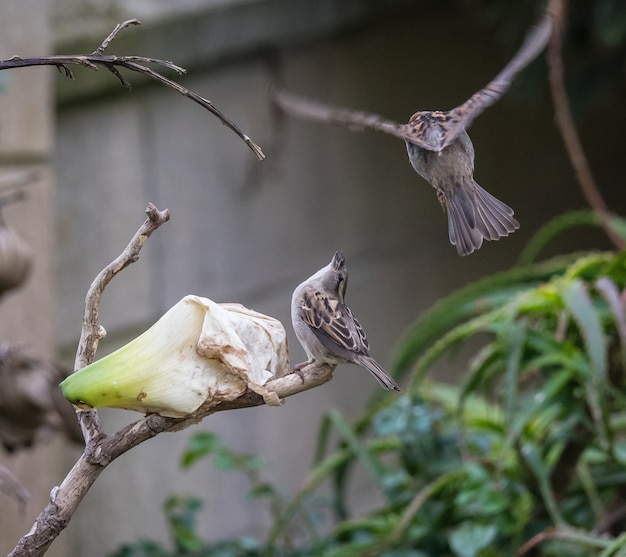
x=325, y=326
x=440, y=150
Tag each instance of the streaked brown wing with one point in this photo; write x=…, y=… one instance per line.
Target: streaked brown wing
x=355, y=119
x=462, y=116
x=334, y=325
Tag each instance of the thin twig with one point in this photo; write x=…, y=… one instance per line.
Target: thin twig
x=112, y=35
x=205, y=103
x=565, y=123
x=91, y=331
x=134, y=64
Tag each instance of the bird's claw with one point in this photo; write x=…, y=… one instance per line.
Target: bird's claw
x=297, y=369
x=441, y=197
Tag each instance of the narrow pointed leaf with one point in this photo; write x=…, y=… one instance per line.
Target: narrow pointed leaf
x=580, y=306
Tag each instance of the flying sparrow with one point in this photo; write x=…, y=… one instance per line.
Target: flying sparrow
x=325, y=325
x=440, y=150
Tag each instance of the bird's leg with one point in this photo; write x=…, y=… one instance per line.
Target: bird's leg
x=441, y=196
x=297, y=369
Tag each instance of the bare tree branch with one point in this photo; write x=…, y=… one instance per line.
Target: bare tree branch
x=132, y=63
x=565, y=123
x=102, y=449
x=92, y=332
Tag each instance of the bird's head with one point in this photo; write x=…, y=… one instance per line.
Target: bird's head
x=333, y=278
x=337, y=280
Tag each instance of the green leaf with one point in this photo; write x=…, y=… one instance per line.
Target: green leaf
x=482, y=323
x=323, y=439
x=482, y=499
x=263, y=490
x=209, y=444
x=477, y=411
x=469, y=538
x=562, y=223
x=513, y=346
x=553, y=228
x=580, y=306
x=393, y=419
x=200, y=445
x=141, y=549
x=226, y=460
x=439, y=484
x=615, y=549
x=181, y=513
x=537, y=403
x=486, y=365
x=617, y=306
x=353, y=442
x=533, y=458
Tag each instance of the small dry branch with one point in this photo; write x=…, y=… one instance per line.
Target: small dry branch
x=91, y=331
x=134, y=64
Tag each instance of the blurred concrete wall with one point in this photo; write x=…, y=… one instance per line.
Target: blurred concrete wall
x=250, y=232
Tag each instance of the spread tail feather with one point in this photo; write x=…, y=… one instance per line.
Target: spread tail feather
x=474, y=214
